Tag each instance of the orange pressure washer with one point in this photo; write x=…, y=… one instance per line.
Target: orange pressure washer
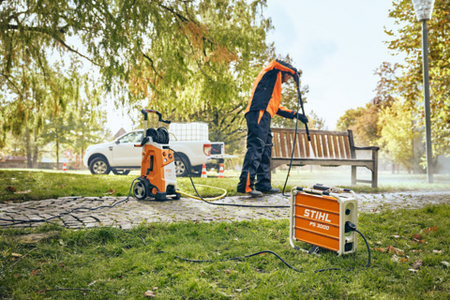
x=158, y=178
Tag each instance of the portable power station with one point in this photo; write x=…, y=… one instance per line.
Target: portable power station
x=319, y=217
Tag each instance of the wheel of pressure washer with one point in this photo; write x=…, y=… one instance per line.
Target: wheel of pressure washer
x=140, y=190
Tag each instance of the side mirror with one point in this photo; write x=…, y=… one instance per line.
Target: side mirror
x=117, y=142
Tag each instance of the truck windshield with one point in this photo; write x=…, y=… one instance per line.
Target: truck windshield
x=132, y=137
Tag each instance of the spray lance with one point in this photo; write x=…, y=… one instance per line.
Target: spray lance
x=300, y=104
x=300, y=100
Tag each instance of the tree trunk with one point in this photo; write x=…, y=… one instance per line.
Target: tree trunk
x=35, y=152
x=28, y=147
x=57, y=151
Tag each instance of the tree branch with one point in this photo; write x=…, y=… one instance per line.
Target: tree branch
x=47, y=32
x=151, y=64
x=12, y=83
x=181, y=17
x=75, y=51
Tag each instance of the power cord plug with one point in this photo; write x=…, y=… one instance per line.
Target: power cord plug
x=349, y=226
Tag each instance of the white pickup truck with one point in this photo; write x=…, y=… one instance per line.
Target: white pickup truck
x=120, y=155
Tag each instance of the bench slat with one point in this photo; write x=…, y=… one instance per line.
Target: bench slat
x=298, y=145
x=289, y=143
x=276, y=147
x=283, y=145
x=324, y=146
x=336, y=147
x=311, y=147
x=318, y=145
x=347, y=148
x=342, y=147
x=305, y=145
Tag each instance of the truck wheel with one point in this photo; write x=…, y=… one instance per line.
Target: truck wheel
x=99, y=165
x=182, y=165
x=120, y=172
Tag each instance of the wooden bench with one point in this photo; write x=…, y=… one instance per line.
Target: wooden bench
x=330, y=148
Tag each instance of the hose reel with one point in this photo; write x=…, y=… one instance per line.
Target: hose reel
x=160, y=135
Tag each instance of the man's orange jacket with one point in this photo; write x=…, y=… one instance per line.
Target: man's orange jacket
x=266, y=91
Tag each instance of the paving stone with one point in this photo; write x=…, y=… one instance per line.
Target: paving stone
x=129, y=213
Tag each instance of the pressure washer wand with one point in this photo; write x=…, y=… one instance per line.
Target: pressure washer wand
x=303, y=109
x=300, y=101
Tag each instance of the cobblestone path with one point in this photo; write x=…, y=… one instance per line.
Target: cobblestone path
x=128, y=213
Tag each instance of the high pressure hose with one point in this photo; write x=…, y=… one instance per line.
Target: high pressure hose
x=221, y=203
x=206, y=199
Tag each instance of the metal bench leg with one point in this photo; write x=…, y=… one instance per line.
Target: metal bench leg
x=375, y=176
x=353, y=175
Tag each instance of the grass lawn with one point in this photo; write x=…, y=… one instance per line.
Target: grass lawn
x=410, y=260
x=25, y=185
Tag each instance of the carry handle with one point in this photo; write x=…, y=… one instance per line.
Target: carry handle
x=160, y=119
x=313, y=192
x=319, y=186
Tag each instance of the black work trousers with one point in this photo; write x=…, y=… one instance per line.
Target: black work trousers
x=259, y=151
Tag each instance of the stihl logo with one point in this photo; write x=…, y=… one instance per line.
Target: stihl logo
x=320, y=216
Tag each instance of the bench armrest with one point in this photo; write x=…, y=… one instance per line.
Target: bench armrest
x=376, y=148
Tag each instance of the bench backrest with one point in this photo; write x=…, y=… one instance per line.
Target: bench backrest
x=324, y=144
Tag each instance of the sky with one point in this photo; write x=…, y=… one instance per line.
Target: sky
x=337, y=44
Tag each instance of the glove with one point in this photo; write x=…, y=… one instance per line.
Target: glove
x=301, y=117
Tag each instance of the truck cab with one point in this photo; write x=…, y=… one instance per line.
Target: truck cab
x=120, y=155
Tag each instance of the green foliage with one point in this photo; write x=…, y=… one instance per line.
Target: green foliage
x=398, y=134
x=187, y=59
x=315, y=122
x=407, y=39
x=116, y=264
x=363, y=122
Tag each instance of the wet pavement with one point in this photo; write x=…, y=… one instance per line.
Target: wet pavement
x=126, y=213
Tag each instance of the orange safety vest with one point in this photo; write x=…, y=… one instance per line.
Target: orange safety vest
x=266, y=91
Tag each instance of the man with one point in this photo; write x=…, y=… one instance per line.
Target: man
x=264, y=104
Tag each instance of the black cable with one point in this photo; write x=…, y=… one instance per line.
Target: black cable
x=221, y=203
x=69, y=212
x=279, y=257
x=237, y=258
x=368, y=248
x=339, y=269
